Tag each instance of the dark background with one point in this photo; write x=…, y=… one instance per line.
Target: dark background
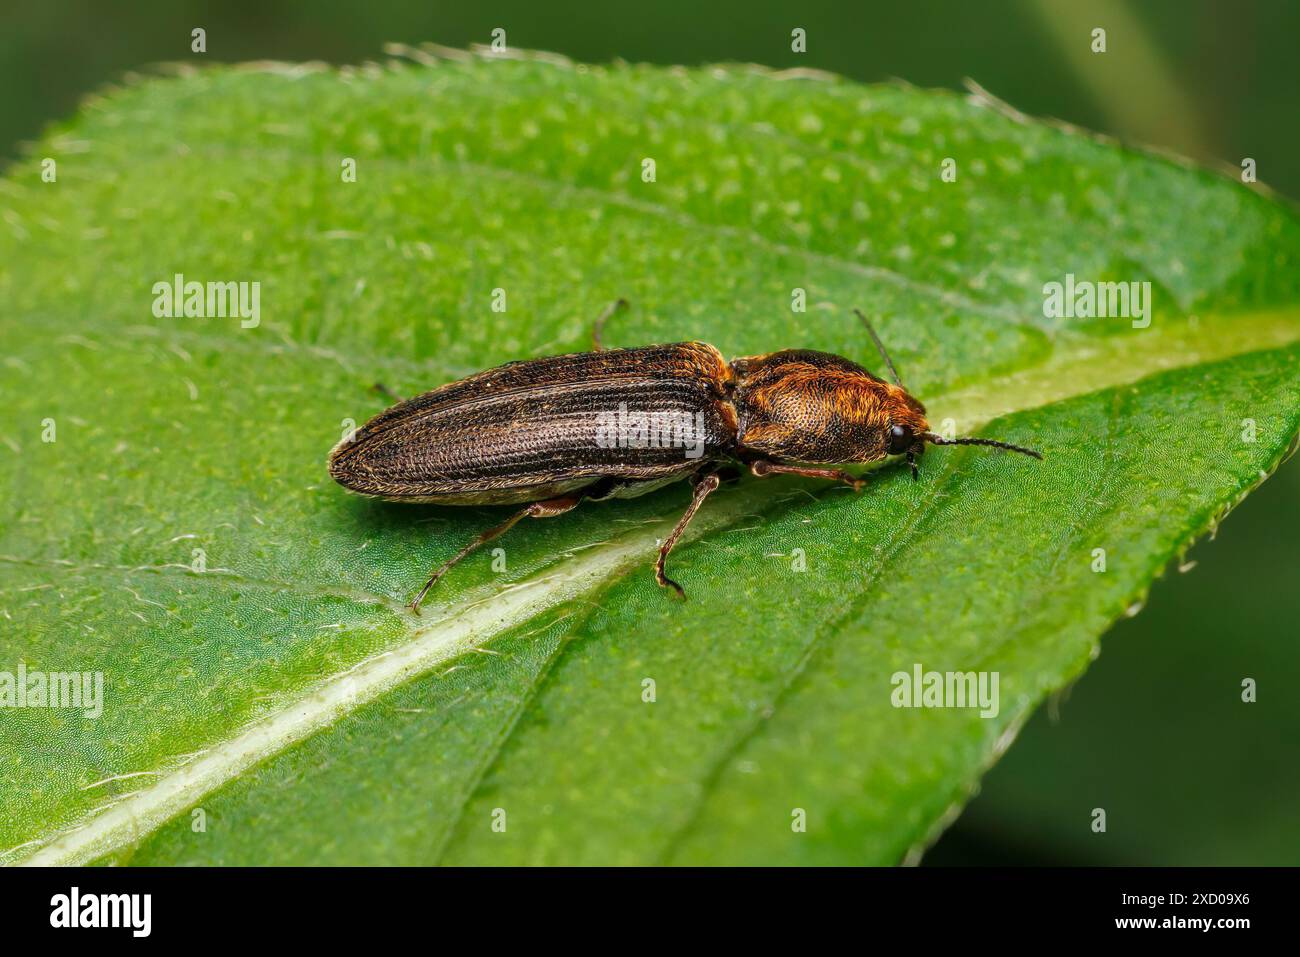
x=1154, y=732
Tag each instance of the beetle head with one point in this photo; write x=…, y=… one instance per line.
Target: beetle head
x=818, y=408
x=911, y=441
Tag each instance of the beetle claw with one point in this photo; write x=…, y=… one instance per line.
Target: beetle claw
x=666, y=582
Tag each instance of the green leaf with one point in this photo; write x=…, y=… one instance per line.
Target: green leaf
x=286, y=694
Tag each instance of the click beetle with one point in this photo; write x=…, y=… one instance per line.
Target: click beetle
x=615, y=423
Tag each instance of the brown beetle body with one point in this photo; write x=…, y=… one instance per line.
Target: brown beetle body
x=616, y=423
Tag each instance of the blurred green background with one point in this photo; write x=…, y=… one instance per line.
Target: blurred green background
x=1155, y=733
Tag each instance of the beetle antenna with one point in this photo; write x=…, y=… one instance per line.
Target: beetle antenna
x=994, y=443
x=880, y=347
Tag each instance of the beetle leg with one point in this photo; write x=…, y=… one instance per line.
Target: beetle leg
x=702, y=489
x=547, y=509
x=763, y=468
x=385, y=392
x=612, y=308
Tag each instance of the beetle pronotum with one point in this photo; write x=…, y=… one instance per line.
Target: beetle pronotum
x=538, y=431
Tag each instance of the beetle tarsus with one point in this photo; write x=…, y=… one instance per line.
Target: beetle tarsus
x=385, y=392
x=703, y=488
x=545, y=509
x=666, y=582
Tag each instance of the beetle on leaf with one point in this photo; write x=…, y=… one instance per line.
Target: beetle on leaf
x=528, y=432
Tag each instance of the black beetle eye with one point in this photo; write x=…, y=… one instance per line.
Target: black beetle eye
x=900, y=439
